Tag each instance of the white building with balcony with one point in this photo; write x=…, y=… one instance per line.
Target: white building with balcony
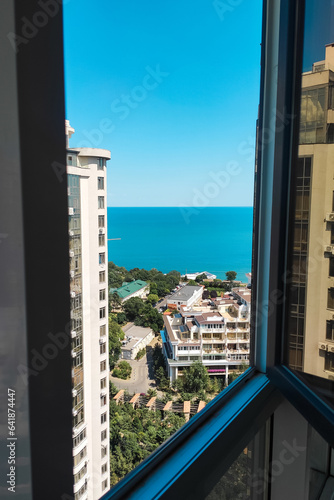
x=87, y=210
x=219, y=337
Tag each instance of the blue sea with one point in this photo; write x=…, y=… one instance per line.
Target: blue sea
x=213, y=239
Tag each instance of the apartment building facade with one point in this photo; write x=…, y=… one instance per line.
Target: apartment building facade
x=311, y=333
x=87, y=211
x=215, y=332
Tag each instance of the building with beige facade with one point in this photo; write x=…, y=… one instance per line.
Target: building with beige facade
x=311, y=302
x=87, y=210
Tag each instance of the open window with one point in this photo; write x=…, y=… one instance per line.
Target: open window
x=273, y=427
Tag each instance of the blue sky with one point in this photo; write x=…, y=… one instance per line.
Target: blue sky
x=171, y=89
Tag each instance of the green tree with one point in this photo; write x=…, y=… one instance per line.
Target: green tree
x=133, y=308
x=121, y=318
x=115, y=301
x=150, y=317
x=200, y=278
x=152, y=298
x=195, y=377
x=141, y=353
x=162, y=381
x=116, y=334
x=162, y=289
x=192, y=283
x=231, y=275
x=112, y=389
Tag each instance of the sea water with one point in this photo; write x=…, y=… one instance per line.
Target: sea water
x=213, y=239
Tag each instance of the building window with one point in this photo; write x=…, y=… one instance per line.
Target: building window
x=102, y=348
x=104, y=468
x=329, y=361
x=80, y=474
x=103, y=294
x=102, y=277
x=79, y=493
x=80, y=456
x=330, y=300
x=100, y=183
x=103, y=418
x=103, y=400
x=103, y=366
x=77, y=440
x=101, y=221
x=104, y=484
x=103, y=329
x=101, y=240
x=330, y=330
x=103, y=383
x=331, y=267
x=100, y=201
x=103, y=451
x=102, y=312
x=100, y=163
x=104, y=435
x=102, y=258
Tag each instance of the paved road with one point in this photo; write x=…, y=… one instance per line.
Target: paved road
x=141, y=377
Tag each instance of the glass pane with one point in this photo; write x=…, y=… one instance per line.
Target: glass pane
x=162, y=156
x=246, y=479
x=310, y=305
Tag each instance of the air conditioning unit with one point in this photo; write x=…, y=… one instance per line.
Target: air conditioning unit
x=101, y=230
x=330, y=217
x=322, y=346
x=103, y=394
x=330, y=348
x=74, y=392
x=70, y=211
x=75, y=432
x=328, y=249
x=73, y=354
x=72, y=295
x=71, y=233
x=72, y=274
x=74, y=412
x=71, y=253
x=73, y=334
x=102, y=341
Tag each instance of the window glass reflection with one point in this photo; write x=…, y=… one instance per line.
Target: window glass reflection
x=310, y=307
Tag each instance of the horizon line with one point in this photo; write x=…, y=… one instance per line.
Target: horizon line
x=172, y=206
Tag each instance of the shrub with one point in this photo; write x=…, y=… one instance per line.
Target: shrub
x=123, y=370
x=141, y=353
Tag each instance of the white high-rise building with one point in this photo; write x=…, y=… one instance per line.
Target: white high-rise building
x=87, y=202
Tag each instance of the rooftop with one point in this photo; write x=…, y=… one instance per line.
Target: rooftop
x=185, y=293
x=128, y=288
x=137, y=333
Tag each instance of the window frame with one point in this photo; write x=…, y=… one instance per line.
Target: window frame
x=236, y=414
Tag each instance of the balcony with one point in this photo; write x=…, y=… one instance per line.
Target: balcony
x=215, y=351
x=329, y=250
